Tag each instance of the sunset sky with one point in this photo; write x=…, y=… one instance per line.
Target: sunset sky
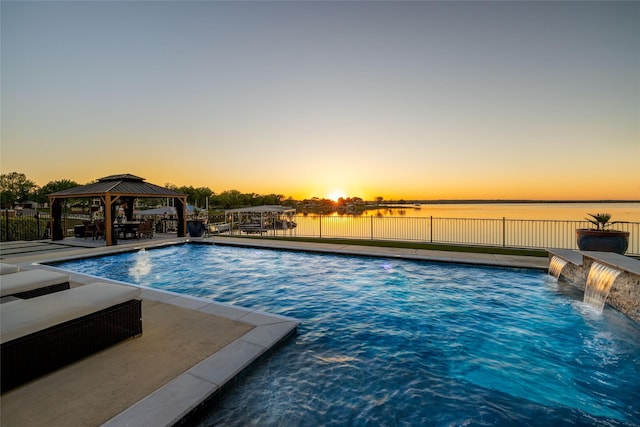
x=414, y=100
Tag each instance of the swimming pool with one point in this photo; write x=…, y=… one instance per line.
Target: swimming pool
x=397, y=342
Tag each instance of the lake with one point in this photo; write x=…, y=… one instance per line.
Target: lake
x=547, y=211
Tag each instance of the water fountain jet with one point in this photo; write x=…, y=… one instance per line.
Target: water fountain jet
x=601, y=270
x=556, y=264
x=598, y=285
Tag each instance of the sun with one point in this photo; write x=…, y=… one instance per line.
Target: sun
x=335, y=195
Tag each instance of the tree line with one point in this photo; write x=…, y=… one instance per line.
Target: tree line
x=16, y=188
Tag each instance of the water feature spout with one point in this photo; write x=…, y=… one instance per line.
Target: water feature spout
x=556, y=265
x=599, y=282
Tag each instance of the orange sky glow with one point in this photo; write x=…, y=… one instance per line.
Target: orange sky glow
x=400, y=100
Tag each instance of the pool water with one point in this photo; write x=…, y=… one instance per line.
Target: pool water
x=408, y=343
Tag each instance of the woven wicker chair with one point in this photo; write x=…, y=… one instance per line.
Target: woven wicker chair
x=98, y=229
x=145, y=229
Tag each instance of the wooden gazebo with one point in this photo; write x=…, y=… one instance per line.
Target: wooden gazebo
x=112, y=190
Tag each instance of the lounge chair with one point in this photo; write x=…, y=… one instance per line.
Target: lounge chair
x=32, y=283
x=8, y=268
x=42, y=334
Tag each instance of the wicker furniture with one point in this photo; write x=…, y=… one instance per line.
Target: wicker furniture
x=43, y=334
x=98, y=229
x=145, y=229
x=8, y=268
x=88, y=229
x=33, y=283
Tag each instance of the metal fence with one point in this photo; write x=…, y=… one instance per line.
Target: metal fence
x=30, y=224
x=19, y=225
x=517, y=233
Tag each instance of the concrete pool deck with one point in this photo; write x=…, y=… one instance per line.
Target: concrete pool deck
x=189, y=347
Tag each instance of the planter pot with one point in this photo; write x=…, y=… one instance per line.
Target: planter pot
x=603, y=241
x=195, y=228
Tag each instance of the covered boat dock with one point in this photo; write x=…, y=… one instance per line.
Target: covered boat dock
x=261, y=219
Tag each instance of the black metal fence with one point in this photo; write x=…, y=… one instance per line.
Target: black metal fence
x=29, y=224
x=33, y=225
x=517, y=233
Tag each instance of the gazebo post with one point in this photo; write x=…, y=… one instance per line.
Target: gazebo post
x=181, y=210
x=56, y=219
x=108, y=221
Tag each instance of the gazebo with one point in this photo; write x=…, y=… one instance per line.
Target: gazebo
x=113, y=190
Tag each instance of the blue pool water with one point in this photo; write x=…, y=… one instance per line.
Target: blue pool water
x=397, y=342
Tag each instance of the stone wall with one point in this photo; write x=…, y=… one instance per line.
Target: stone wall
x=624, y=295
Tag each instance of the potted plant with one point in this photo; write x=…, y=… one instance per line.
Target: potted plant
x=602, y=238
x=195, y=226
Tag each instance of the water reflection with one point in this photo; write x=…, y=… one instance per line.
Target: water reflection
x=539, y=211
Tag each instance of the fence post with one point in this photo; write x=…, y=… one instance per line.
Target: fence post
x=504, y=232
x=6, y=224
x=431, y=229
x=371, y=222
x=320, y=226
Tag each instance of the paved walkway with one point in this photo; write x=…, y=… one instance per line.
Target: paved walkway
x=189, y=347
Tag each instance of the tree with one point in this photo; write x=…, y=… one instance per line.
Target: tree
x=15, y=188
x=52, y=187
x=195, y=196
x=229, y=199
x=200, y=195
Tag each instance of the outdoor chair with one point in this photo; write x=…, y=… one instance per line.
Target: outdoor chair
x=98, y=230
x=32, y=283
x=42, y=334
x=8, y=268
x=88, y=229
x=145, y=229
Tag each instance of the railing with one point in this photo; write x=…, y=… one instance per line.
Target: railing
x=518, y=233
x=32, y=225
x=504, y=232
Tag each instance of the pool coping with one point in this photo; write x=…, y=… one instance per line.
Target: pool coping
x=175, y=400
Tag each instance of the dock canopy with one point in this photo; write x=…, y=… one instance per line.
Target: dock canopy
x=112, y=191
x=261, y=219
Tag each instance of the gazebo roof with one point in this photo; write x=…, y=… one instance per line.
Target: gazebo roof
x=123, y=184
x=110, y=189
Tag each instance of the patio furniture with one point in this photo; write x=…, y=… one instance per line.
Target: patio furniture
x=8, y=268
x=42, y=334
x=145, y=229
x=33, y=283
x=98, y=229
x=126, y=229
x=88, y=229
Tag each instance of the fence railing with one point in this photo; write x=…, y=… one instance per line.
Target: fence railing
x=32, y=225
x=518, y=233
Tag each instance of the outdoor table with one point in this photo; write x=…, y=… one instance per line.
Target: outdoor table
x=126, y=227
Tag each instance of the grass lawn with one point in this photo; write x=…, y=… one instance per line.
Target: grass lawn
x=416, y=245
